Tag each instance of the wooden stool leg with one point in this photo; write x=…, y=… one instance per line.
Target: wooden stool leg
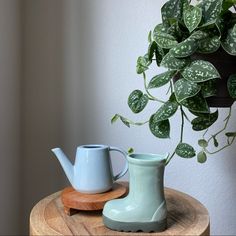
x=70, y=211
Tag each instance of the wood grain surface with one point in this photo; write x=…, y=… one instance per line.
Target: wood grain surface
x=186, y=216
x=72, y=199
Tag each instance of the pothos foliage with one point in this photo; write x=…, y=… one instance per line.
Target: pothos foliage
x=186, y=29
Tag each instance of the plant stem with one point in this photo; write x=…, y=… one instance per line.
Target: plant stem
x=169, y=158
x=204, y=133
x=225, y=126
x=182, y=124
x=171, y=87
x=227, y=145
x=136, y=123
x=220, y=131
x=181, y=136
x=148, y=93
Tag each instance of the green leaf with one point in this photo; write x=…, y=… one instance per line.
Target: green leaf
x=171, y=62
x=172, y=9
x=229, y=43
x=161, y=79
x=185, y=89
x=202, y=143
x=192, y=18
x=150, y=36
x=201, y=157
x=231, y=134
x=142, y=64
x=216, y=144
x=137, y=101
x=159, y=53
x=167, y=110
x=196, y=104
x=185, y=150
x=165, y=40
x=130, y=150
x=185, y=48
x=211, y=10
x=160, y=129
x=209, y=45
x=198, y=35
x=228, y=4
x=125, y=121
x=160, y=28
x=151, y=50
x=200, y=71
x=115, y=118
x=231, y=84
x=209, y=88
x=175, y=30
x=204, y=122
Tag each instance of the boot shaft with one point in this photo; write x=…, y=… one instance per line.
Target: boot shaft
x=146, y=178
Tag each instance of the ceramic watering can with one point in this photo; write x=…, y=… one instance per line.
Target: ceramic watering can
x=92, y=171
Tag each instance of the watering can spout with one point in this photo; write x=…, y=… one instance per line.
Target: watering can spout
x=65, y=163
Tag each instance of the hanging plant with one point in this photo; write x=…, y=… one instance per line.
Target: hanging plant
x=182, y=44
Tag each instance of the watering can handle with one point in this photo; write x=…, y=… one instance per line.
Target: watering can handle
x=123, y=172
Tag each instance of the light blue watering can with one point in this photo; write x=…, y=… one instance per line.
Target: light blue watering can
x=92, y=172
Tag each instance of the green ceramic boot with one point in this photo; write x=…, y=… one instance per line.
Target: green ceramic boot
x=144, y=209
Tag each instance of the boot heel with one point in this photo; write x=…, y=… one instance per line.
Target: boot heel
x=153, y=226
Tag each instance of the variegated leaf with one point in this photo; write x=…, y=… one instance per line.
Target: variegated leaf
x=185, y=150
x=171, y=62
x=232, y=86
x=209, y=88
x=200, y=71
x=142, y=64
x=159, y=54
x=209, y=45
x=160, y=28
x=173, y=9
x=175, y=30
x=185, y=89
x=161, y=79
x=198, y=35
x=137, y=101
x=204, y=122
x=211, y=10
x=196, y=103
x=185, y=48
x=192, y=17
x=229, y=43
x=165, y=40
x=160, y=129
x=167, y=110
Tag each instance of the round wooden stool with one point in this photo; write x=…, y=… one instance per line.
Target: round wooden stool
x=186, y=216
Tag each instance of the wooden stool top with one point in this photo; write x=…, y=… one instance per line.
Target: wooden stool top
x=186, y=216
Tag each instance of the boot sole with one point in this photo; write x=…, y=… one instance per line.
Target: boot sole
x=147, y=227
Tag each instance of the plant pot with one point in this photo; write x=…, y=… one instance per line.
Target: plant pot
x=144, y=209
x=226, y=65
